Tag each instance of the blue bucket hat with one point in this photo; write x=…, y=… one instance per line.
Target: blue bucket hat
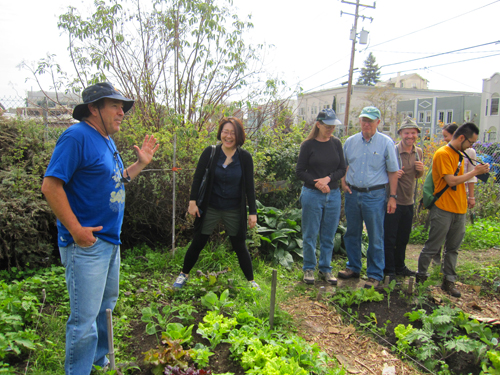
x=98, y=91
x=328, y=117
x=371, y=112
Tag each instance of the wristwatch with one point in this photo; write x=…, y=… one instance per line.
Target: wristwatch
x=393, y=196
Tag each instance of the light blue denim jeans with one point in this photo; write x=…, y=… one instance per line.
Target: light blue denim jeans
x=320, y=216
x=92, y=279
x=369, y=207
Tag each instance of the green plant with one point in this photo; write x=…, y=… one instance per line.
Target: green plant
x=200, y=354
x=419, y=234
x=280, y=233
x=211, y=301
x=177, y=332
x=215, y=327
x=483, y=234
x=346, y=297
x=388, y=289
x=152, y=316
x=185, y=312
x=494, y=357
x=27, y=220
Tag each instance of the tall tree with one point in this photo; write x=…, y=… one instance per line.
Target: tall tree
x=176, y=58
x=370, y=74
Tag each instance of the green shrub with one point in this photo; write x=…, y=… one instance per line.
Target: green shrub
x=27, y=223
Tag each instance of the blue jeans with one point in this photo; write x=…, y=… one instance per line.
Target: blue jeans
x=369, y=207
x=320, y=216
x=92, y=279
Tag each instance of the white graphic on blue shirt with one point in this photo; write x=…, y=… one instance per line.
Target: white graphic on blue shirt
x=117, y=198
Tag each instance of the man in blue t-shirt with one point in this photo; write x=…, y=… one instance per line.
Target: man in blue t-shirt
x=84, y=186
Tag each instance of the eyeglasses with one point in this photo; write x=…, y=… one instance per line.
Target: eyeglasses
x=227, y=132
x=329, y=127
x=119, y=161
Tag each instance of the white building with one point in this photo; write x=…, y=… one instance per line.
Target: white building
x=490, y=119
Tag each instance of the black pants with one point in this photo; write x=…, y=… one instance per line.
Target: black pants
x=239, y=246
x=397, y=229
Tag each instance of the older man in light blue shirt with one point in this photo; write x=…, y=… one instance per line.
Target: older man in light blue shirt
x=371, y=165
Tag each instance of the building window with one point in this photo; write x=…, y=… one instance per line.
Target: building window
x=342, y=108
x=449, y=117
x=413, y=85
x=467, y=115
x=491, y=134
x=494, y=105
x=420, y=116
x=302, y=111
x=401, y=84
x=486, y=114
x=441, y=116
x=409, y=114
x=427, y=116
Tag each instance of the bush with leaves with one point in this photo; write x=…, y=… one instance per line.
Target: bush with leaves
x=27, y=224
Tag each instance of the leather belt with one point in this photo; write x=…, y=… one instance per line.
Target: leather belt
x=366, y=190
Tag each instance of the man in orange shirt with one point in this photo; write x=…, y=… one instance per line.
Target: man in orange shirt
x=447, y=216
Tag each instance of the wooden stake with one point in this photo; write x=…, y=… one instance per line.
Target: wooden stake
x=273, y=298
x=111, y=348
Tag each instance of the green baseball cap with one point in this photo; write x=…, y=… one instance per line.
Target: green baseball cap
x=409, y=123
x=371, y=112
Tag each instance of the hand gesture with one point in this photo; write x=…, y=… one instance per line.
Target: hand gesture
x=148, y=149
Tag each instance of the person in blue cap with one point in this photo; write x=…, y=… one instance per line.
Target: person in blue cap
x=320, y=165
x=371, y=165
x=84, y=186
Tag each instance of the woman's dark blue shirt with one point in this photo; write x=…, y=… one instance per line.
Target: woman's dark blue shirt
x=226, y=193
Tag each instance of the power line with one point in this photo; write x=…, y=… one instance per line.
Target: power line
x=434, y=66
x=426, y=53
x=440, y=54
x=428, y=27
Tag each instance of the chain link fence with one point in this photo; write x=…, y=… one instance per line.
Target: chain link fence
x=53, y=110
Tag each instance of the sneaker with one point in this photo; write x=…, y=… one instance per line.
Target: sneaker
x=309, y=276
x=372, y=283
x=327, y=276
x=406, y=272
x=450, y=288
x=255, y=286
x=181, y=280
x=348, y=274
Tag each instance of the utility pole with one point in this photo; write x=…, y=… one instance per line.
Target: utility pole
x=354, y=33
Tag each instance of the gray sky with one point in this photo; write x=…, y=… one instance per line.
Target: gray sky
x=311, y=39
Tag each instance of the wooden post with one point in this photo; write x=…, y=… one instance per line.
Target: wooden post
x=411, y=283
x=173, y=194
x=110, y=339
x=273, y=298
x=387, y=280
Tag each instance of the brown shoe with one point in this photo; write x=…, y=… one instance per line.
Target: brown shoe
x=348, y=274
x=420, y=279
x=372, y=283
x=450, y=288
